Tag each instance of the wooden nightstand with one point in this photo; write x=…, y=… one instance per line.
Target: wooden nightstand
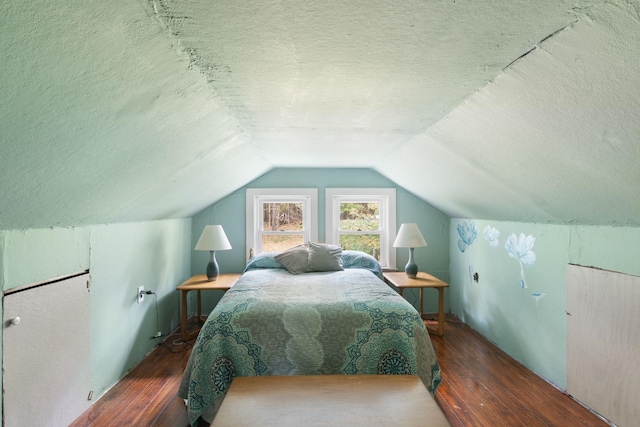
x=199, y=283
x=400, y=280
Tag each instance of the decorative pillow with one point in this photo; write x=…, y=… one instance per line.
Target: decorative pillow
x=324, y=257
x=263, y=260
x=295, y=259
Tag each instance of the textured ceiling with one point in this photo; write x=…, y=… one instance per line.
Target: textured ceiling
x=128, y=111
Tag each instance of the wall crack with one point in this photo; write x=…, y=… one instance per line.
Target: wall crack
x=535, y=46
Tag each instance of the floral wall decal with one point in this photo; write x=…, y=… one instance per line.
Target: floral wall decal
x=468, y=233
x=520, y=249
x=491, y=234
x=537, y=295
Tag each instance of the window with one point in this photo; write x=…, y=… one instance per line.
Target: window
x=280, y=218
x=363, y=219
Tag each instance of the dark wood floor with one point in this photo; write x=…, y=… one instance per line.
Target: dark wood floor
x=482, y=386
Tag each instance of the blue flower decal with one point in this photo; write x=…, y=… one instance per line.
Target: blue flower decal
x=468, y=233
x=491, y=234
x=520, y=249
x=537, y=295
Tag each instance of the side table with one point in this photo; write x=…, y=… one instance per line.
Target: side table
x=199, y=283
x=401, y=281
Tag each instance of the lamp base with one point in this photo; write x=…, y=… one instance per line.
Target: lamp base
x=411, y=268
x=213, y=271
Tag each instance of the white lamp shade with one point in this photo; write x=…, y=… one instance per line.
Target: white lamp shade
x=409, y=236
x=213, y=239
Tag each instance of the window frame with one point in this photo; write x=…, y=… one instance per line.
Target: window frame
x=387, y=199
x=255, y=197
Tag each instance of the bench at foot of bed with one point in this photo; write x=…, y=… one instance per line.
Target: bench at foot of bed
x=321, y=400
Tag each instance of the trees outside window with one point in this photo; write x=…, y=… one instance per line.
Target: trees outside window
x=363, y=219
x=359, y=227
x=280, y=218
x=282, y=225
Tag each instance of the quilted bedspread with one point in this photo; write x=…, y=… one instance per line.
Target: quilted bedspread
x=274, y=323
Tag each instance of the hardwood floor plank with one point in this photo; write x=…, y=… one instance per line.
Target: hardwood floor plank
x=466, y=357
x=482, y=386
x=173, y=414
x=458, y=410
x=145, y=393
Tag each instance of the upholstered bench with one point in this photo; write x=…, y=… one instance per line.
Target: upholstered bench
x=329, y=400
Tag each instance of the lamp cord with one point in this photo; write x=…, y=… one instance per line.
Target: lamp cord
x=157, y=318
x=177, y=345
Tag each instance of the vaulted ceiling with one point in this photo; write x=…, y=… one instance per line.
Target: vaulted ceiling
x=125, y=110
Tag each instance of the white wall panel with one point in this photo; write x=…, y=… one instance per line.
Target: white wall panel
x=46, y=355
x=603, y=342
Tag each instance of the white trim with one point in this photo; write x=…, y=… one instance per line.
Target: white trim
x=256, y=196
x=387, y=199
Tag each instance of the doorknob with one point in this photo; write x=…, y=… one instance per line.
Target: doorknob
x=15, y=320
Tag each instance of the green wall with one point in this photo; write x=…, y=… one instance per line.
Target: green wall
x=530, y=323
x=159, y=255
x=230, y=213
x=120, y=258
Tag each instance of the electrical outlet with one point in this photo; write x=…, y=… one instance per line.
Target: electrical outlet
x=140, y=294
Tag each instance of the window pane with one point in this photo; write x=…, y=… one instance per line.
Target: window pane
x=367, y=243
x=280, y=242
x=282, y=216
x=364, y=216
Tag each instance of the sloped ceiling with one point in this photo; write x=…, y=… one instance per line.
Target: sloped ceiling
x=127, y=111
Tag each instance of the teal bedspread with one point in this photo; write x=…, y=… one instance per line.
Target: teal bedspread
x=274, y=323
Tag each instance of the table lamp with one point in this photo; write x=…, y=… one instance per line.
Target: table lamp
x=409, y=236
x=213, y=239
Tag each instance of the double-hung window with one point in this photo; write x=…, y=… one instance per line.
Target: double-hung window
x=363, y=219
x=280, y=218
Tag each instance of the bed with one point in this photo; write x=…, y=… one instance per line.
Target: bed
x=287, y=315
